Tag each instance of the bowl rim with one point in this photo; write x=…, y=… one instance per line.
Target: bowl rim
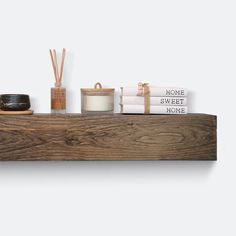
x=14, y=94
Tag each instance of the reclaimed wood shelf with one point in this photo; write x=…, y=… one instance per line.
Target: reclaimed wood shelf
x=107, y=137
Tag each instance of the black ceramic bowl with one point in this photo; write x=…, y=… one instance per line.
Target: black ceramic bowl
x=14, y=102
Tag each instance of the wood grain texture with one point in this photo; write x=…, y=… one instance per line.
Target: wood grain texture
x=108, y=137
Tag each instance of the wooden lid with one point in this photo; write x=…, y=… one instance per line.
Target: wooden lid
x=97, y=90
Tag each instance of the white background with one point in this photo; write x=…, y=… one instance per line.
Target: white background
x=190, y=44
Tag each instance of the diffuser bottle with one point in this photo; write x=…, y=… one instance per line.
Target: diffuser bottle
x=58, y=100
x=58, y=93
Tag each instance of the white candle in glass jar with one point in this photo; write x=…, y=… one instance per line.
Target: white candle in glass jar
x=97, y=99
x=98, y=103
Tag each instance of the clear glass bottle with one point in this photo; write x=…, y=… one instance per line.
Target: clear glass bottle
x=58, y=100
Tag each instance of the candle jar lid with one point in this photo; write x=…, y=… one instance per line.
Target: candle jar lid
x=98, y=90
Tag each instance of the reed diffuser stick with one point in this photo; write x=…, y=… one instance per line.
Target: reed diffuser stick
x=56, y=65
x=57, y=74
x=53, y=64
x=62, y=63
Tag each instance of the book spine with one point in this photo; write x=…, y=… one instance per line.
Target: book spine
x=160, y=101
x=154, y=109
x=174, y=92
x=157, y=92
x=175, y=110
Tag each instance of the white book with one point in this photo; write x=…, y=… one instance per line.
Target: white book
x=161, y=101
x=156, y=91
x=129, y=109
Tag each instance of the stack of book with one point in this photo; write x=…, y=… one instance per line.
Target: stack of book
x=160, y=100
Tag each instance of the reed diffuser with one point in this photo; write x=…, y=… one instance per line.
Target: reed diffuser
x=58, y=93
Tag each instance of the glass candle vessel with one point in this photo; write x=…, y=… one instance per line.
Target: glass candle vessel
x=58, y=100
x=97, y=100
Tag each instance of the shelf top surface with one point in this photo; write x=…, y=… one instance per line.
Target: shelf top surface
x=113, y=115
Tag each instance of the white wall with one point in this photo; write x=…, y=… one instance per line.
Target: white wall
x=167, y=43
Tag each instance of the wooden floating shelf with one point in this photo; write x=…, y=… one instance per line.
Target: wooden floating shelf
x=107, y=137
